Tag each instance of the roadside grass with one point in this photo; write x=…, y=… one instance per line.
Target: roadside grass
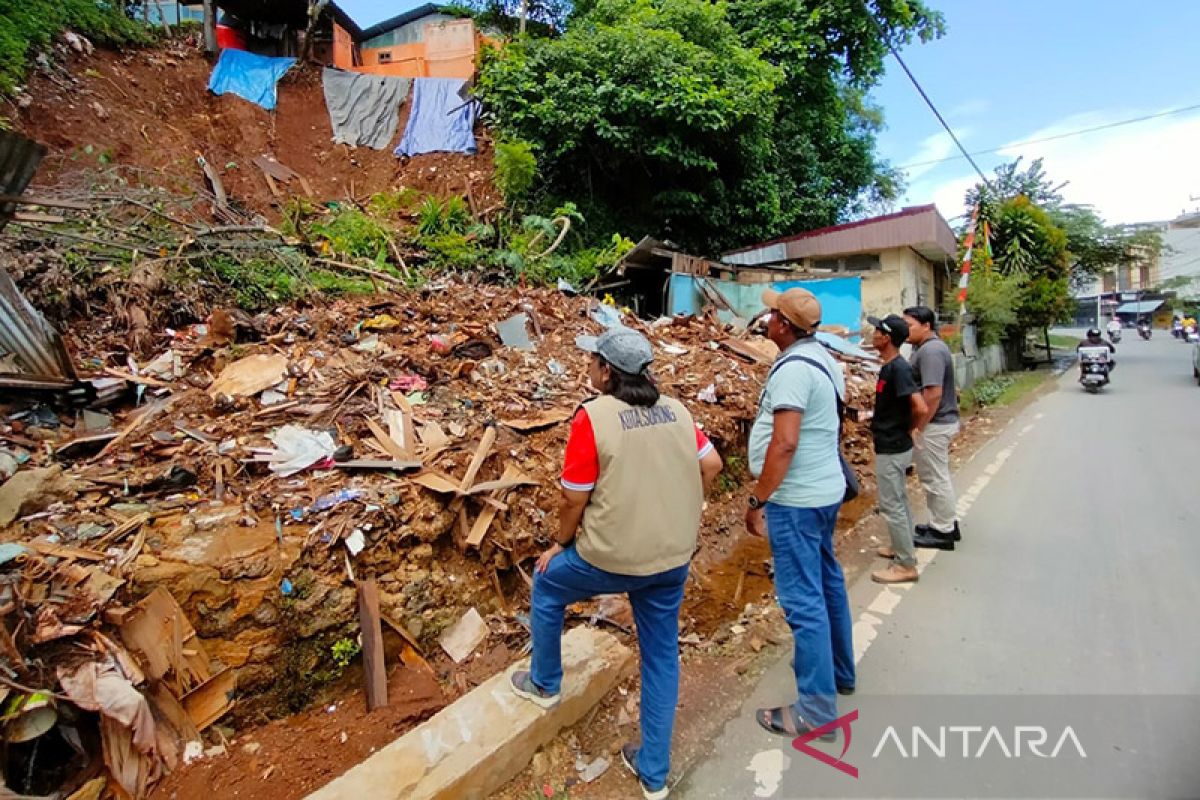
x=1063, y=342
x=1000, y=390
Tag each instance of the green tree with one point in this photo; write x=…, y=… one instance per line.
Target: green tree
x=1094, y=246
x=712, y=123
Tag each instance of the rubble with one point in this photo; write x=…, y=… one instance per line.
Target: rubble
x=255, y=499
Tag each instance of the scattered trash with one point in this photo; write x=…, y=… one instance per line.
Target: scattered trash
x=408, y=383
x=250, y=375
x=513, y=332
x=297, y=449
x=382, y=322
x=708, y=394
x=606, y=315
x=673, y=349
x=566, y=288
x=356, y=541
x=461, y=638
x=590, y=771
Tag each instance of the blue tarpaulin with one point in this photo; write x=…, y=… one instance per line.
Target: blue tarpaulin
x=841, y=298
x=439, y=120
x=249, y=76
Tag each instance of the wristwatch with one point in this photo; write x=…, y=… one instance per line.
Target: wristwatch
x=754, y=502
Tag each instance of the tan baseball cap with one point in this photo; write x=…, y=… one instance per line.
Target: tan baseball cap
x=799, y=306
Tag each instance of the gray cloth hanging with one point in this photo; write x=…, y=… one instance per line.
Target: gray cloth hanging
x=364, y=109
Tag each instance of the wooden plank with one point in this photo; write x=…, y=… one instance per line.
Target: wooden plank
x=372, y=644
x=393, y=448
x=48, y=202
x=129, y=376
x=484, y=522
x=150, y=633
x=210, y=700
x=481, y=453
x=63, y=551
x=142, y=417
x=272, y=185
x=35, y=216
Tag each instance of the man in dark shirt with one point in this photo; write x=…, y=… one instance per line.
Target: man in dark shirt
x=898, y=404
x=933, y=367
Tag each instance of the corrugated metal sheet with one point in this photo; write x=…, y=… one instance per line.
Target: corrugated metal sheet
x=19, y=159
x=919, y=227
x=24, y=332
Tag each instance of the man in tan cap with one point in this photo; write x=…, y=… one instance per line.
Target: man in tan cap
x=794, y=455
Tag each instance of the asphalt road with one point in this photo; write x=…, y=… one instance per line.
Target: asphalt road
x=1072, y=603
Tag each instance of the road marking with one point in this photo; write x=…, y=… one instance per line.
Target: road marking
x=768, y=765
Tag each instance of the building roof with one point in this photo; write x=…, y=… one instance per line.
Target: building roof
x=366, y=19
x=920, y=227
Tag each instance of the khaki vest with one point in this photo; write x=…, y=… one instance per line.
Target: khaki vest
x=644, y=514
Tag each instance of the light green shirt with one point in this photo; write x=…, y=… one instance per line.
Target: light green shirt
x=814, y=479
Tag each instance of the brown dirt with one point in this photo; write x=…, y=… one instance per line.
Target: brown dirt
x=150, y=110
x=289, y=758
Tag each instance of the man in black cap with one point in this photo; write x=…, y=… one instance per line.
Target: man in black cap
x=898, y=403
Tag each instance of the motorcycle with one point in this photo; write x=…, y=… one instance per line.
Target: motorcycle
x=1191, y=335
x=1094, y=368
x=1114, y=335
x=1144, y=330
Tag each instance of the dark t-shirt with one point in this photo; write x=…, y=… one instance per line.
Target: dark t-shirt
x=933, y=365
x=893, y=407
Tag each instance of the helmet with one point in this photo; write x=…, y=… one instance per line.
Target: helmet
x=1093, y=333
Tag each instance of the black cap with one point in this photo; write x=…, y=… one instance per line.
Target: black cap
x=893, y=325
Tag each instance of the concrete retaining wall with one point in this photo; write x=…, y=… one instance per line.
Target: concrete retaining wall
x=969, y=370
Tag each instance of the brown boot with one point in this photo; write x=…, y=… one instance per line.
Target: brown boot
x=896, y=574
x=886, y=552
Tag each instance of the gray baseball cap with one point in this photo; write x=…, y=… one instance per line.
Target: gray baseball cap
x=624, y=348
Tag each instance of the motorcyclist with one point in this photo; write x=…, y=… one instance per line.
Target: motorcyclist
x=1176, y=326
x=1096, y=339
x=1114, y=328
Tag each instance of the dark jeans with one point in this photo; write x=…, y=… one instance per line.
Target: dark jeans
x=656, y=600
x=812, y=592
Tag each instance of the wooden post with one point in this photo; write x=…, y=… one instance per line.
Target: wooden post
x=210, y=27
x=372, y=644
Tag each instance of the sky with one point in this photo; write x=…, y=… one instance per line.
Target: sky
x=1012, y=71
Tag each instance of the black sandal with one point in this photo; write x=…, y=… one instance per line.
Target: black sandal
x=777, y=721
x=784, y=721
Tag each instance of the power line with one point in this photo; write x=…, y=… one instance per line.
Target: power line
x=1053, y=138
x=895, y=53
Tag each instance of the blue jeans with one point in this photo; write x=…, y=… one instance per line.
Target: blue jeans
x=812, y=592
x=656, y=600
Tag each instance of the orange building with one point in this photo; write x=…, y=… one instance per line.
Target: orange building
x=382, y=37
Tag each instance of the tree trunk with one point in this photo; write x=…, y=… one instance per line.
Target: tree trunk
x=210, y=27
x=1046, y=338
x=315, y=7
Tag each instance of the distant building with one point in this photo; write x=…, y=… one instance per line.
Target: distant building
x=403, y=39
x=903, y=259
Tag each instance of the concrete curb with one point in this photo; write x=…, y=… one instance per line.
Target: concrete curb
x=484, y=739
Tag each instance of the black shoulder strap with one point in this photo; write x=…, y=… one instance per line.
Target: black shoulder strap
x=841, y=405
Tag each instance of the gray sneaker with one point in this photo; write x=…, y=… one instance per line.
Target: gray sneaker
x=629, y=758
x=523, y=686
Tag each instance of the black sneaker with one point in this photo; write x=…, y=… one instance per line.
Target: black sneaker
x=928, y=530
x=934, y=541
x=845, y=690
x=629, y=759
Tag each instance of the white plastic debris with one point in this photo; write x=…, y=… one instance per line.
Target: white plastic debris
x=298, y=448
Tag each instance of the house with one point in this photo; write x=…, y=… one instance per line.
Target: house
x=406, y=39
x=902, y=259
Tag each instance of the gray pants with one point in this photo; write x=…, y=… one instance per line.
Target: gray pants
x=932, y=458
x=893, y=503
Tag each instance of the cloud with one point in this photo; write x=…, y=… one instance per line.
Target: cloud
x=933, y=148
x=971, y=108
x=1134, y=173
